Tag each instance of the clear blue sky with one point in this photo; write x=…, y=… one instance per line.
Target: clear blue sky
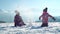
x=34, y=5
x=31, y=8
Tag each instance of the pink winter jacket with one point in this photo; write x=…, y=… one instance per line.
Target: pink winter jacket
x=45, y=16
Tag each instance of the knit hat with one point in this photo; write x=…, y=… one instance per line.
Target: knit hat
x=45, y=10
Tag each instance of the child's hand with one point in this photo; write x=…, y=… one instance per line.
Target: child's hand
x=54, y=19
x=39, y=18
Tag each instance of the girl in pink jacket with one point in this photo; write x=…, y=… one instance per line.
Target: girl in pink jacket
x=45, y=16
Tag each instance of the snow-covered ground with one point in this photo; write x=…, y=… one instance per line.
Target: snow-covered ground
x=8, y=28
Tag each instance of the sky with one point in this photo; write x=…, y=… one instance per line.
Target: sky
x=29, y=8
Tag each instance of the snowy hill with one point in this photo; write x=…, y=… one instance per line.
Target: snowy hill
x=8, y=28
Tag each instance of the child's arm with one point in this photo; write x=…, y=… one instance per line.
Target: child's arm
x=40, y=17
x=52, y=17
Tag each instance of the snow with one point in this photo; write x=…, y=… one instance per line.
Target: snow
x=8, y=28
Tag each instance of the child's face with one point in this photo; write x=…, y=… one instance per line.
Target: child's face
x=17, y=12
x=44, y=11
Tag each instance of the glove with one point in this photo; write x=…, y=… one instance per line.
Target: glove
x=39, y=18
x=54, y=19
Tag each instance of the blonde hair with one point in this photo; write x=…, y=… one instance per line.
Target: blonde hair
x=17, y=12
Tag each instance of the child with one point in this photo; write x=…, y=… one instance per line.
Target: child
x=45, y=16
x=18, y=20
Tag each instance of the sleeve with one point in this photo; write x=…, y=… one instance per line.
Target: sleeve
x=52, y=17
x=40, y=17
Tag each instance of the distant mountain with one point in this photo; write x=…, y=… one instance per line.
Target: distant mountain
x=9, y=17
x=51, y=20
x=2, y=22
x=57, y=19
x=6, y=17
